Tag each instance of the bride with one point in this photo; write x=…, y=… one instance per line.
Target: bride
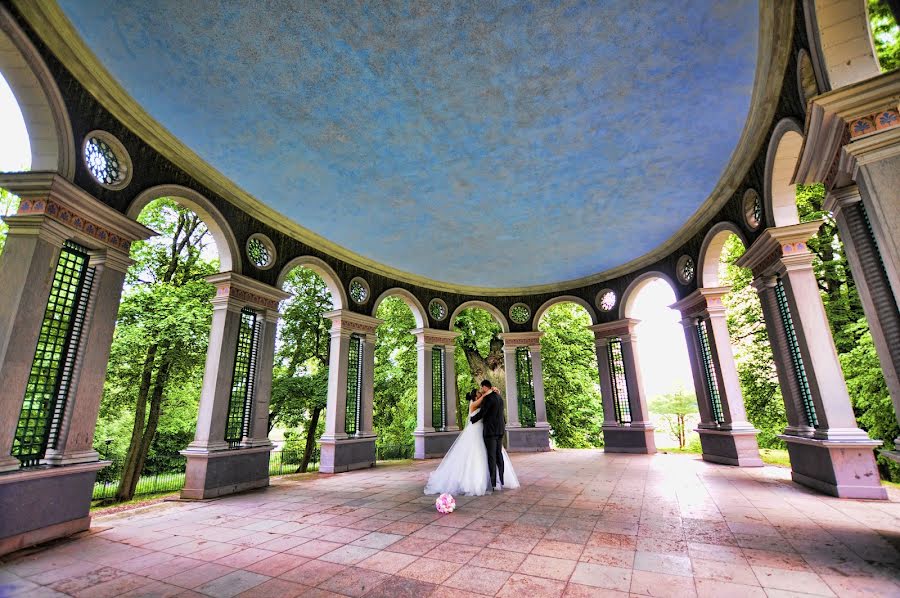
x=464, y=469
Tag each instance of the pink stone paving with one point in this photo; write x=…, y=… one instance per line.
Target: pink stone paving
x=583, y=524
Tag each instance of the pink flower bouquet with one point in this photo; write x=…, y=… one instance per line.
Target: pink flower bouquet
x=445, y=503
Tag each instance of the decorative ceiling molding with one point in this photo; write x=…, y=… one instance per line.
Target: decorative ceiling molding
x=775, y=33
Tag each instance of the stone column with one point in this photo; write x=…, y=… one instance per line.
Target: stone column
x=52, y=211
x=838, y=458
x=430, y=442
x=213, y=468
x=259, y=429
x=540, y=404
x=522, y=439
x=342, y=451
x=75, y=443
x=878, y=301
x=635, y=436
x=731, y=441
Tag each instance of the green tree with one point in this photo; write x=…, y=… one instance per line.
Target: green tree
x=675, y=407
x=394, y=416
x=162, y=331
x=885, y=34
x=482, y=348
x=9, y=203
x=300, y=385
x=571, y=380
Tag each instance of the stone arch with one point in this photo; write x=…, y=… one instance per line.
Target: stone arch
x=498, y=315
x=536, y=319
x=226, y=242
x=625, y=305
x=419, y=313
x=841, y=42
x=46, y=118
x=711, y=251
x=320, y=267
x=781, y=162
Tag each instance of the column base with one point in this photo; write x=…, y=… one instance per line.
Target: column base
x=730, y=447
x=842, y=469
x=528, y=440
x=892, y=455
x=346, y=454
x=45, y=503
x=625, y=439
x=433, y=445
x=216, y=473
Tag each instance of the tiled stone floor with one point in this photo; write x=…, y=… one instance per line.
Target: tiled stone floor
x=583, y=524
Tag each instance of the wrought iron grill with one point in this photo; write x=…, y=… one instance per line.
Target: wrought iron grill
x=787, y=322
x=525, y=387
x=240, y=403
x=46, y=392
x=618, y=381
x=709, y=372
x=354, y=385
x=438, y=399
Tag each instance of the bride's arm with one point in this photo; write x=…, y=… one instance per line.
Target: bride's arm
x=475, y=404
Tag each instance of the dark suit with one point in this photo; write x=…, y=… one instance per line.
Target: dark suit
x=494, y=428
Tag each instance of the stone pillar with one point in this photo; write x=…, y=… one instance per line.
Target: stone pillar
x=878, y=300
x=728, y=438
x=213, y=467
x=838, y=458
x=636, y=435
x=523, y=439
x=52, y=211
x=342, y=451
x=430, y=441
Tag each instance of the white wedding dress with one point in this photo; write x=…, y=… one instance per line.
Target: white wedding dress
x=464, y=468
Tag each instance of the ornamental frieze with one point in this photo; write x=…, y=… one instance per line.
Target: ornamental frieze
x=74, y=220
x=879, y=121
x=247, y=297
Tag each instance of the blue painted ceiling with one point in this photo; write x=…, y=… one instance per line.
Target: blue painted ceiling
x=499, y=144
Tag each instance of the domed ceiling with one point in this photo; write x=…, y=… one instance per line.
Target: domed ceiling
x=491, y=144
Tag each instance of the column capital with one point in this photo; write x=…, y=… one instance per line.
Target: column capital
x=514, y=340
x=621, y=328
x=702, y=301
x=245, y=291
x=112, y=259
x=435, y=336
x=85, y=219
x=837, y=199
x=779, y=246
x=346, y=322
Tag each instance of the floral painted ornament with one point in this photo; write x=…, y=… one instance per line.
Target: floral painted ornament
x=445, y=503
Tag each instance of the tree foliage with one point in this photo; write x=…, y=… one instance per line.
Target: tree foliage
x=885, y=34
x=571, y=379
x=675, y=408
x=9, y=203
x=395, y=403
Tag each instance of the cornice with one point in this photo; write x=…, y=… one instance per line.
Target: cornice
x=435, y=336
x=621, y=327
x=346, y=320
x=521, y=339
x=776, y=21
x=701, y=300
x=777, y=243
x=246, y=290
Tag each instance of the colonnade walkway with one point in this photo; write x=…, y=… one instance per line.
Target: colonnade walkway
x=584, y=523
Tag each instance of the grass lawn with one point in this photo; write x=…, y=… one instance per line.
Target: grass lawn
x=777, y=457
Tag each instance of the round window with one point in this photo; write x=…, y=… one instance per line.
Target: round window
x=519, y=313
x=261, y=251
x=438, y=309
x=752, y=207
x=606, y=299
x=359, y=290
x=685, y=269
x=106, y=159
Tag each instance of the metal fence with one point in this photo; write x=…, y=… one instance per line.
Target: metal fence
x=285, y=461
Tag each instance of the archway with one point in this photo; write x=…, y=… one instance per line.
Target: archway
x=396, y=374
x=842, y=43
x=15, y=153
x=479, y=350
x=665, y=369
x=51, y=144
x=710, y=273
x=157, y=361
x=569, y=365
x=781, y=162
x=300, y=380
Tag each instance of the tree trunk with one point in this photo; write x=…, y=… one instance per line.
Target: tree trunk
x=310, y=439
x=491, y=367
x=130, y=470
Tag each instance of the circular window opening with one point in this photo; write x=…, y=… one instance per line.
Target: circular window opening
x=752, y=207
x=606, y=299
x=359, y=290
x=106, y=159
x=519, y=313
x=261, y=251
x=685, y=269
x=438, y=309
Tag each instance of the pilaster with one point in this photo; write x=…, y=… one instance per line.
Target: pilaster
x=523, y=439
x=431, y=442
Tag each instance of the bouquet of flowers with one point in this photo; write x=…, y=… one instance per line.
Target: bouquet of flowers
x=445, y=503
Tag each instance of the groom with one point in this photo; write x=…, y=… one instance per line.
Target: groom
x=494, y=428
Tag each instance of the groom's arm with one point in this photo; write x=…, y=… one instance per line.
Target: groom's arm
x=486, y=407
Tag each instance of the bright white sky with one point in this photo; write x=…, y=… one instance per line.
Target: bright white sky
x=15, y=151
